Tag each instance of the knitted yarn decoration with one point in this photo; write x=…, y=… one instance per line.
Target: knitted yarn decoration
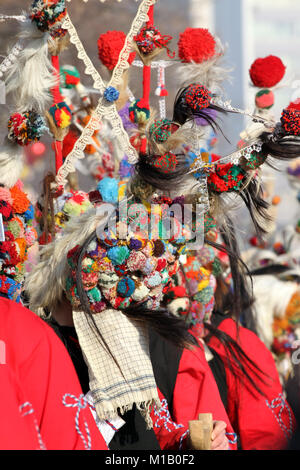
x=290, y=121
x=149, y=38
x=227, y=177
x=294, y=104
x=26, y=128
x=197, y=97
x=165, y=163
x=61, y=115
x=70, y=204
x=110, y=45
x=70, y=76
x=191, y=294
x=196, y=45
x=139, y=113
x=48, y=15
x=267, y=72
x=17, y=216
x=119, y=273
x=264, y=99
x=161, y=130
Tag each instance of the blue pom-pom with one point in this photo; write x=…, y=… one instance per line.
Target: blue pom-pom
x=118, y=254
x=111, y=94
x=126, y=287
x=29, y=214
x=109, y=189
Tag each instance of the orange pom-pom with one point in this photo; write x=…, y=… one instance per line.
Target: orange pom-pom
x=276, y=200
x=20, y=201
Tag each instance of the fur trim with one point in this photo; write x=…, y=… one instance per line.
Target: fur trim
x=209, y=73
x=45, y=284
x=272, y=297
x=31, y=77
x=11, y=163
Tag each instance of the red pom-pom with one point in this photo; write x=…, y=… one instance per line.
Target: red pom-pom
x=197, y=45
x=68, y=143
x=295, y=105
x=267, y=72
x=110, y=45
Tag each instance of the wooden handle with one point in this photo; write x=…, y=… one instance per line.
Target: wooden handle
x=201, y=431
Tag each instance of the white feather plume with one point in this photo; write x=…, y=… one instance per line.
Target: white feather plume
x=45, y=284
x=210, y=73
x=11, y=163
x=272, y=297
x=31, y=77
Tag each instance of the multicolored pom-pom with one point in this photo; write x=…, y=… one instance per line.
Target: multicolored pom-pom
x=126, y=287
x=197, y=97
x=26, y=128
x=196, y=45
x=139, y=113
x=161, y=130
x=48, y=15
x=264, y=99
x=118, y=254
x=149, y=39
x=70, y=76
x=290, y=121
x=165, y=163
x=61, y=115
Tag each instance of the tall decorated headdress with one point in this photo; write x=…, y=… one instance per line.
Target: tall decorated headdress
x=107, y=262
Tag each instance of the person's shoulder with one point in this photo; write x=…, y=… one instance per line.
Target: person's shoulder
x=22, y=327
x=247, y=339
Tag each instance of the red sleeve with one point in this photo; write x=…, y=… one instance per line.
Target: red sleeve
x=170, y=435
x=17, y=429
x=49, y=382
x=263, y=422
x=196, y=392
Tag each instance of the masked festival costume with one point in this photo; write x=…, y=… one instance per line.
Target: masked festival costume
x=116, y=284
x=42, y=405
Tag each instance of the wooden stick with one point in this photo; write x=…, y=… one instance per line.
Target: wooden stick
x=201, y=431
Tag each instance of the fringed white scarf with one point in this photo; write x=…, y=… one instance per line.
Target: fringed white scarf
x=117, y=386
